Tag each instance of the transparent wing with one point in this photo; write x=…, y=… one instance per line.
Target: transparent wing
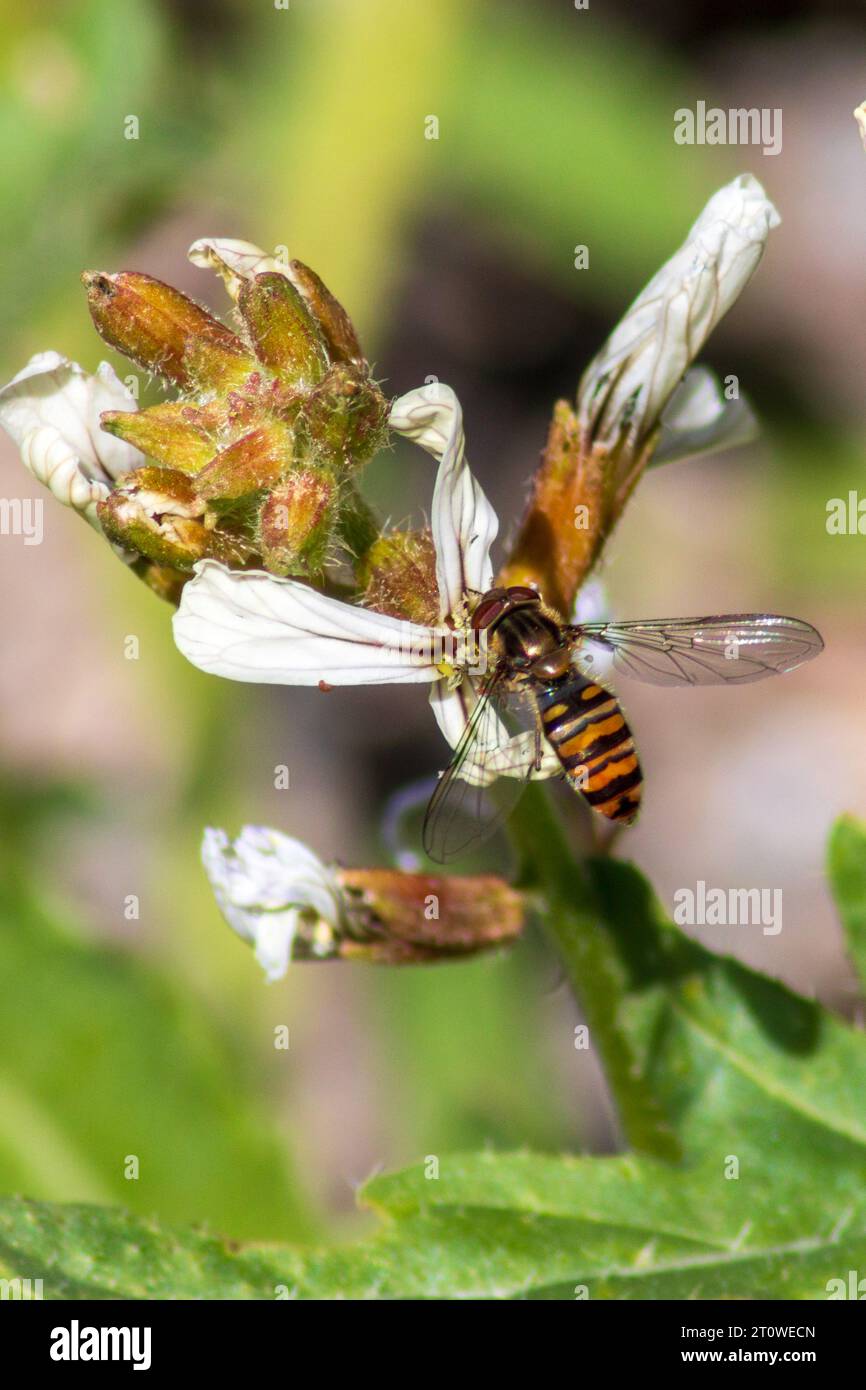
x=732, y=649
x=472, y=798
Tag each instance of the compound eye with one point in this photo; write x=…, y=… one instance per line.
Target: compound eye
x=489, y=609
x=521, y=593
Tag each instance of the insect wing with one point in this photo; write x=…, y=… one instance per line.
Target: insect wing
x=732, y=649
x=472, y=797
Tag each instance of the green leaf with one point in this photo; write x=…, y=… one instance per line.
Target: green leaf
x=489, y=1226
x=846, y=866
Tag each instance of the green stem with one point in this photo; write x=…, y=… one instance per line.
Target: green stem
x=574, y=922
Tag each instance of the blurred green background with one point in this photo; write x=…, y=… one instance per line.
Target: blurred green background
x=153, y=1034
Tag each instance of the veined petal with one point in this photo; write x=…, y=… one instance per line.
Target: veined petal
x=699, y=420
x=51, y=409
x=235, y=261
x=628, y=384
x=263, y=882
x=504, y=754
x=463, y=522
x=251, y=626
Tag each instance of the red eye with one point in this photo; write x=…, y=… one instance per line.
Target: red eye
x=491, y=607
x=521, y=593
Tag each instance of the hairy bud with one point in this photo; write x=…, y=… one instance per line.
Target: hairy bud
x=285, y=337
x=295, y=523
x=398, y=575
x=165, y=332
x=412, y=918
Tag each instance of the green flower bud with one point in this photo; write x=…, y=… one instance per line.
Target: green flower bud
x=165, y=332
x=398, y=576
x=296, y=523
x=256, y=461
x=157, y=512
x=346, y=417
x=285, y=337
x=177, y=434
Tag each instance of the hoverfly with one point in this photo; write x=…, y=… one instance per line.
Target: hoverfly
x=533, y=668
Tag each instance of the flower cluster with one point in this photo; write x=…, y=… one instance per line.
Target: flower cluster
x=238, y=501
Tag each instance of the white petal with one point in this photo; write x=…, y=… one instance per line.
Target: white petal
x=262, y=882
x=463, y=522
x=53, y=463
x=860, y=118
x=627, y=385
x=498, y=753
x=235, y=261
x=51, y=409
x=251, y=626
x=591, y=604
x=699, y=420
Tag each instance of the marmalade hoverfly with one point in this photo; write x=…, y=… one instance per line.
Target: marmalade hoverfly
x=533, y=670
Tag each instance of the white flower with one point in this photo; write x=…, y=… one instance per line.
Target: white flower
x=51, y=409
x=266, y=884
x=626, y=387
x=254, y=627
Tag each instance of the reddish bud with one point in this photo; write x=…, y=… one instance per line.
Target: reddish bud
x=296, y=522
x=398, y=575
x=254, y=462
x=164, y=331
x=413, y=918
x=336, y=326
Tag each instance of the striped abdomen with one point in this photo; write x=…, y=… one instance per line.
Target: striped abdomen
x=585, y=727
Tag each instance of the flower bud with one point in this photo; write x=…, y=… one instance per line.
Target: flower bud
x=253, y=463
x=165, y=332
x=278, y=895
x=174, y=433
x=398, y=575
x=346, y=417
x=564, y=524
x=157, y=512
x=285, y=337
x=296, y=521
x=411, y=918
x=335, y=324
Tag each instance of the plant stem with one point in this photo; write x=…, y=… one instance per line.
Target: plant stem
x=595, y=971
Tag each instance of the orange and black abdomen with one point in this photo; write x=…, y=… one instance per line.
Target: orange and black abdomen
x=584, y=725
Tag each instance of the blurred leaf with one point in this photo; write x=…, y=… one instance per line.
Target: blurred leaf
x=103, y=1059
x=846, y=865
x=71, y=184
x=509, y=152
